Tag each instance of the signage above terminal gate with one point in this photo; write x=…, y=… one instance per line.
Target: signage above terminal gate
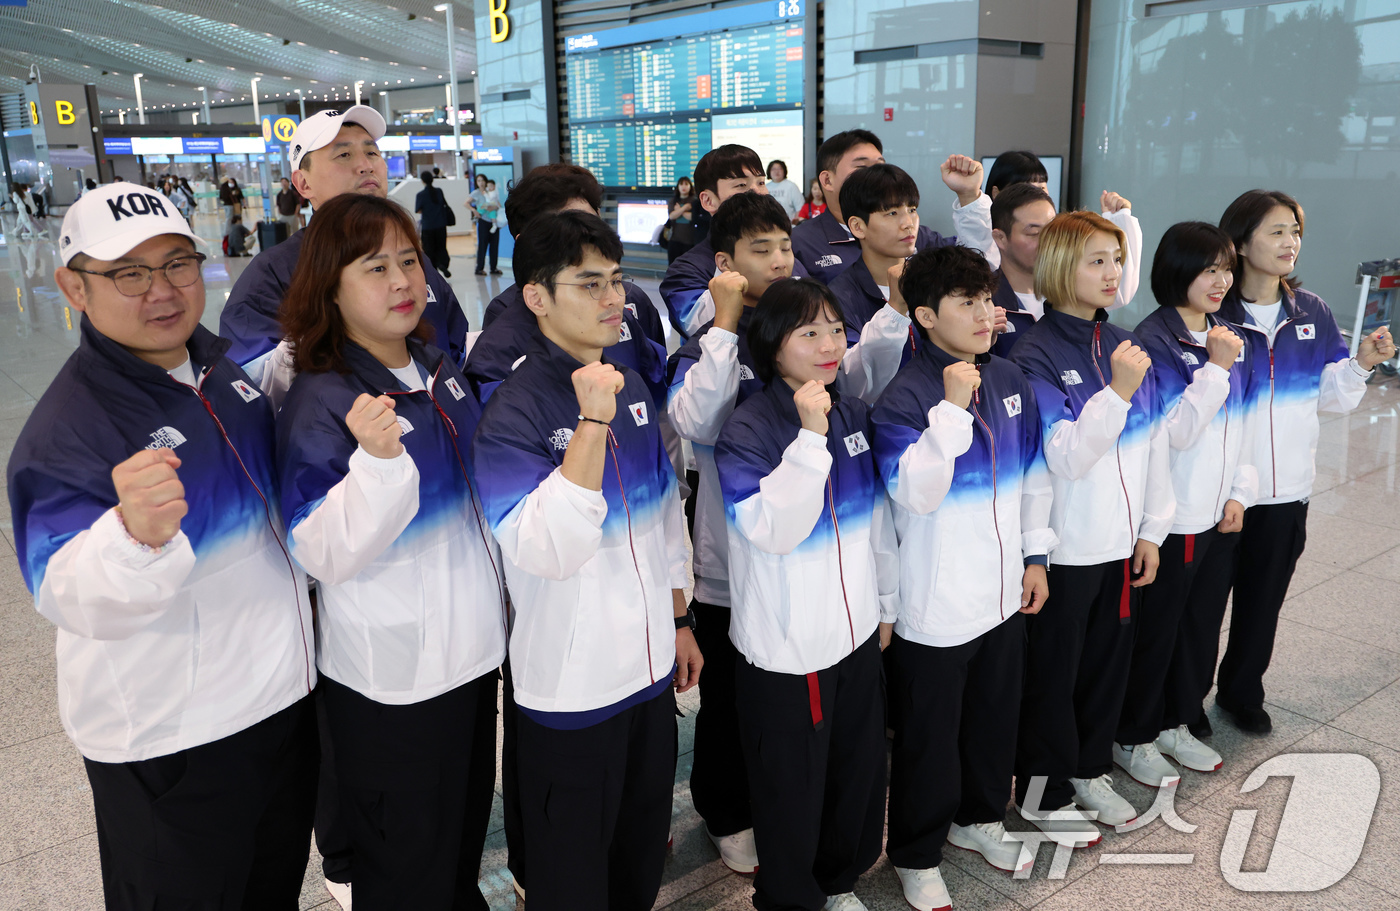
x=694, y=24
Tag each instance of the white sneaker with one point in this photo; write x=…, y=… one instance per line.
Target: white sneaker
x=737, y=851
x=989, y=839
x=1180, y=744
x=1068, y=820
x=846, y=901
x=340, y=892
x=1145, y=763
x=924, y=889
x=1097, y=794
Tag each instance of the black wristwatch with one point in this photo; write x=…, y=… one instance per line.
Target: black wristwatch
x=686, y=622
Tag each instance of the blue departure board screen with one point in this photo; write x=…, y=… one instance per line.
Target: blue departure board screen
x=642, y=98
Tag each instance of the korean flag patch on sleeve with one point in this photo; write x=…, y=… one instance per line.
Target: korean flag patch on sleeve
x=1013, y=404
x=624, y=332
x=455, y=388
x=1306, y=331
x=856, y=444
x=639, y=412
x=246, y=391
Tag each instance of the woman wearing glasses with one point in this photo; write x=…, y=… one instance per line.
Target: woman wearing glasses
x=377, y=487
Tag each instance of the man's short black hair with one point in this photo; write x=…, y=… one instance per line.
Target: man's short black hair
x=727, y=162
x=549, y=188
x=557, y=240
x=876, y=189
x=1187, y=249
x=937, y=272
x=1012, y=198
x=1012, y=168
x=746, y=213
x=787, y=304
x=832, y=151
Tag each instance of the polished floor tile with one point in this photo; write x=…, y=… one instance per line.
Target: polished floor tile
x=1334, y=688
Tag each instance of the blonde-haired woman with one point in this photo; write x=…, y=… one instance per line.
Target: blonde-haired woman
x=1106, y=448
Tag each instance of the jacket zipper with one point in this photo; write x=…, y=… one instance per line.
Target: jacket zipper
x=1094, y=352
x=267, y=512
x=996, y=522
x=646, y=608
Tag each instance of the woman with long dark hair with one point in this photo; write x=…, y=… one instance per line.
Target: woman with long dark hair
x=1301, y=366
x=373, y=447
x=685, y=215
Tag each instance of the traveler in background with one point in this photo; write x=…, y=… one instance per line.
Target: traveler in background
x=24, y=210
x=289, y=207
x=684, y=215
x=486, y=205
x=237, y=237
x=431, y=206
x=231, y=198
x=1012, y=168
x=783, y=190
x=814, y=203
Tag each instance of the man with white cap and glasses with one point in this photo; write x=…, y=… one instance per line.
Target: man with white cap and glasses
x=147, y=529
x=331, y=152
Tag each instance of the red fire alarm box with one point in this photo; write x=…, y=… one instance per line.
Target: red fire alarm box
x=889, y=114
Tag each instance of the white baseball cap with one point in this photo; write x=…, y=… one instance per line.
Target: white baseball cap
x=112, y=220
x=320, y=128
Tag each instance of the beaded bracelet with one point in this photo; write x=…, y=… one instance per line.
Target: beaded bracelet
x=139, y=545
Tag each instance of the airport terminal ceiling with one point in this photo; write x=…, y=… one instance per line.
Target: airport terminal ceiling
x=322, y=48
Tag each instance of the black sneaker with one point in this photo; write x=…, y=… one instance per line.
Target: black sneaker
x=1249, y=720
x=478, y=272
x=497, y=272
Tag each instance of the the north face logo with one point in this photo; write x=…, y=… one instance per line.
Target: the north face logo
x=66, y=241
x=745, y=373
x=1071, y=378
x=560, y=438
x=1189, y=358
x=167, y=437
x=404, y=425
x=140, y=203
x=1010, y=327
x=1306, y=331
x=1013, y=404
x=830, y=259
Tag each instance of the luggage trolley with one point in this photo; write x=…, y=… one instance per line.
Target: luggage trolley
x=1377, y=304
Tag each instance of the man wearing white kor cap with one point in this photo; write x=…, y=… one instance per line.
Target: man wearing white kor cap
x=331, y=152
x=147, y=529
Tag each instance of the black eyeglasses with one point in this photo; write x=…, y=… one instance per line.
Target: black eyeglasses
x=134, y=281
x=595, y=288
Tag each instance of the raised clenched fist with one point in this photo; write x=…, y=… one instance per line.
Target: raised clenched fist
x=150, y=496
x=375, y=426
x=597, y=386
x=1223, y=346
x=813, y=403
x=960, y=380
x=1130, y=364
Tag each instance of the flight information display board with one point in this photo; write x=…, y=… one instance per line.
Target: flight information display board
x=642, y=98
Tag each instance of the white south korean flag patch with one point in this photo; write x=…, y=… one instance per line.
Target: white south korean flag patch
x=855, y=444
x=432, y=298
x=455, y=388
x=1306, y=331
x=1013, y=404
x=624, y=332
x=246, y=391
x=639, y=412
x=631, y=308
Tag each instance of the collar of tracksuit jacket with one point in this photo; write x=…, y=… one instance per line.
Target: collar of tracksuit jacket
x=1018, y=320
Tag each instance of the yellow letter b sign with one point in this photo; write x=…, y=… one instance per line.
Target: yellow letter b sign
x=64, y=110
x=500, y=22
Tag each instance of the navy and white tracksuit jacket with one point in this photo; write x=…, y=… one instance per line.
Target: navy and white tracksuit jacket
x=971, y=496
x=1299, y=369
x=160, y=652
x=514, y=330
x=813, y=560
x=1018, y=319
x=411, y=587
x=685, y=288
x=1110, y=466
x=1210, y=420
x=711, y=375
x=250, y=316
x=590, y=572
x=827, y=249
x=638, y=303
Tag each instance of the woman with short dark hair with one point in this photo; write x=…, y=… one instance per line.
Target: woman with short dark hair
x=373, y=447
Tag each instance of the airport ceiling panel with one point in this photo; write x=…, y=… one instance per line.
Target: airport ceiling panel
x=319, y=46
